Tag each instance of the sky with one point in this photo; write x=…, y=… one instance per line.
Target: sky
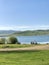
x=24, y=14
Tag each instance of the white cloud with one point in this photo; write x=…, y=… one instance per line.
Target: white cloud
x=24, y=27
x=13, y=27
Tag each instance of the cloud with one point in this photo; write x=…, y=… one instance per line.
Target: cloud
x=13, y=27
x=22, y=28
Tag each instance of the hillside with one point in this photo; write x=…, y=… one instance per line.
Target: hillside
x=6, y=32
x=23, y=33
x=29, y=33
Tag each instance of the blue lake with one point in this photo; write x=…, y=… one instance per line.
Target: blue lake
x=39, y=39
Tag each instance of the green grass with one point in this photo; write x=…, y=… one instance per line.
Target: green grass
x=15, y=45
x=25, y=58
x=19, y=45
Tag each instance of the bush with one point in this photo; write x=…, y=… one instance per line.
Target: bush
x=18, y=43
x=2, y=40
x=32, y=42
x=36, y=43
x=13, y=40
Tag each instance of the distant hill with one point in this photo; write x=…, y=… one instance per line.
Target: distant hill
x=23, y=33
x=30, y=33
x=6, y=32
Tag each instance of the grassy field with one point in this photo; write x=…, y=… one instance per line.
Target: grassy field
x=16, y=45
x=20, y=45
x=25, y=58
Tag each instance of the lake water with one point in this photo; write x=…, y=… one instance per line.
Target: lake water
x=40, y=39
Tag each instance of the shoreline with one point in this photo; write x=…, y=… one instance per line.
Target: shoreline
x=37, y=42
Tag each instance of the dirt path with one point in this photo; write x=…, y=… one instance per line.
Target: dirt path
x=42, y=47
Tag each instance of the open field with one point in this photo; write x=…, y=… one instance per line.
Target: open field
x=21, y=45
x=36, y=57
x=25, y=47
x=25, y=55
x=17, y=47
